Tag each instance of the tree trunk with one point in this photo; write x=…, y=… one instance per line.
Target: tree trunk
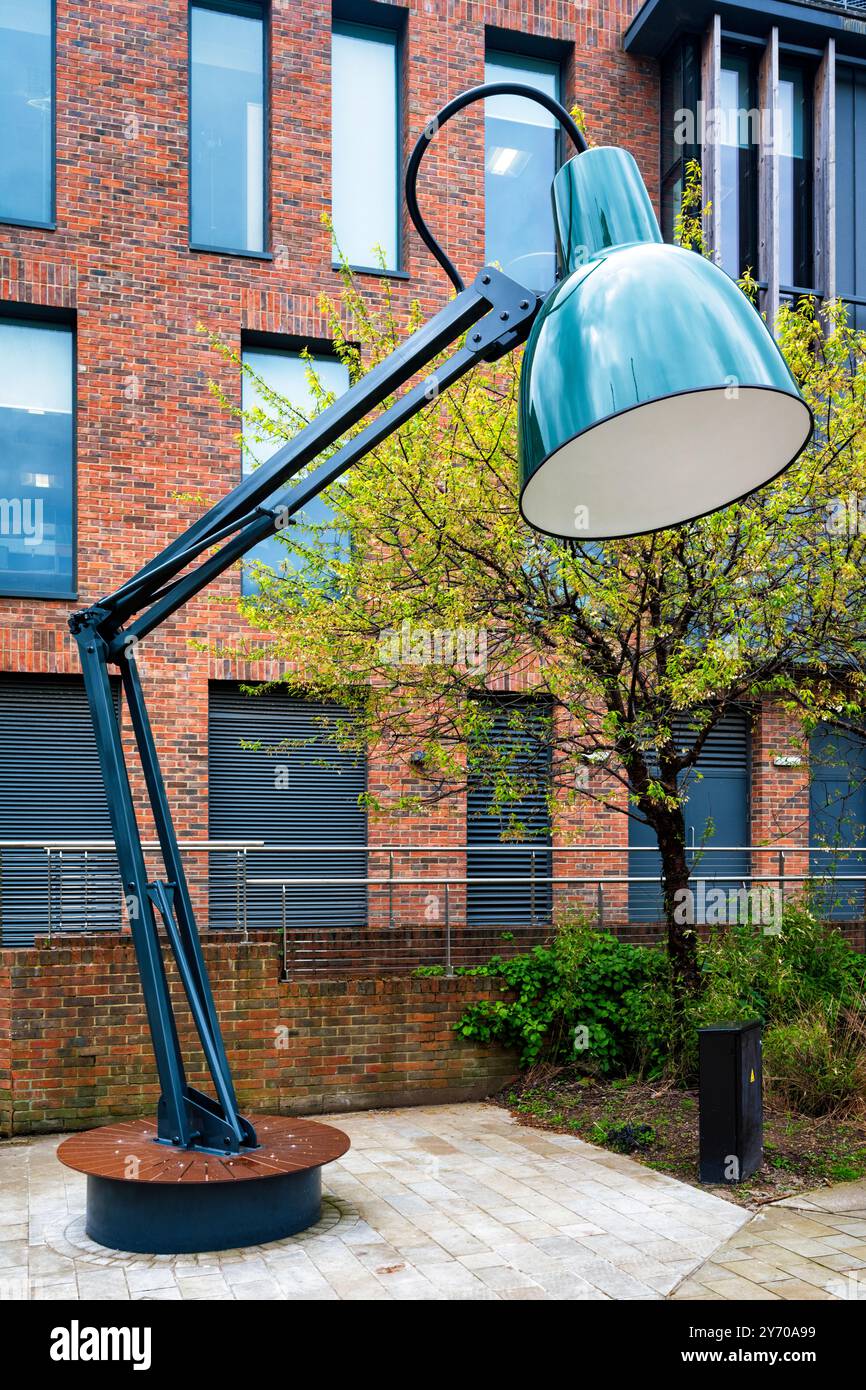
x=682, y=939
x=681, y=933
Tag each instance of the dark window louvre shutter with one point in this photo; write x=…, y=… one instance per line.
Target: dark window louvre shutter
x=52, y=790
x=505, y=904
x=317, y=806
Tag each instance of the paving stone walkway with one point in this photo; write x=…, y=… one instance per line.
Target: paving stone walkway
x=437, y=1202
x=810, y=1247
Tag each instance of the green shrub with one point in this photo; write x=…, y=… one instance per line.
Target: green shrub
x=747, y=974
x=620, y=994
x=602, y=1005
x=816, y=1064
x=588, y=999
x=809, y=961
x=532, y=1018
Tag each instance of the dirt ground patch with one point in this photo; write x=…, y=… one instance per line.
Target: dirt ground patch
x=658, y=1126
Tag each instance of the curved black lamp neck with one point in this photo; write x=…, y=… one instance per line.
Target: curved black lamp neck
x=487, y=89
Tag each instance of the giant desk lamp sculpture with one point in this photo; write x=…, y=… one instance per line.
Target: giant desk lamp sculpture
x=651, y=394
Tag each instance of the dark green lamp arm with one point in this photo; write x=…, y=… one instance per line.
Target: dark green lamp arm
x=505, y=326
x=494, y=315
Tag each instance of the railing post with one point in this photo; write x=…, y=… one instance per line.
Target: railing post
x=246, y=925
x=449, y=971
x=599, y=903
x=390, y=888
x=781, y=878
x=285, y=935
x=532, y=888
x=50, y=892
x=86, y=889
x=237, y=888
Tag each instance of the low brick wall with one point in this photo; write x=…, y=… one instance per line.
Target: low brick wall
x=75, y=1051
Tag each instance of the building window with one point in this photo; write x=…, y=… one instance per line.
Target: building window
x=365, y=149
x=37, y=492
x=27, y=112
x=227, y=128
x=680, y=90
x=851, y=191
x=739, y=136
x=795, y=179
x=521, y=156
x=288, y=375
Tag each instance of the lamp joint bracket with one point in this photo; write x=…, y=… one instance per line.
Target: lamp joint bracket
x=513, y=309
x=161, y=893
x=87, y=619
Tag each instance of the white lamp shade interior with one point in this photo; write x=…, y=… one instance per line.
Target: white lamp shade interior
x=666, y=462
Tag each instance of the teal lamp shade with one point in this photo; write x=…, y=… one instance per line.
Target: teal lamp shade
x=652, y=392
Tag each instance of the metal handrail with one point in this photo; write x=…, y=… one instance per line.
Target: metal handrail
x=78, y=890
x=524, y=847
x=85, y=845
x=289, y=882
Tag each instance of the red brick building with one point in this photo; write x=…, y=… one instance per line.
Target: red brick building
x=166, y=167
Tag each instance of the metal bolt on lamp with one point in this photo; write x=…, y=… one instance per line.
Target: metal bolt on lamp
x=651, y=393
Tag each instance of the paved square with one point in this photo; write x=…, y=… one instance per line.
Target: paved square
x=438, y=1202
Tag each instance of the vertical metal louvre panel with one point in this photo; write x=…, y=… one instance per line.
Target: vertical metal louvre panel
x=851, y=188
x=317, y=805
x=718, y=799
x=52, y=790
x=504, y=904
x=837, y=820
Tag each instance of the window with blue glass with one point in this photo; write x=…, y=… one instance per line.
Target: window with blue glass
x=739, y=137
x=521, y=156
x=274, y=372
x=227, y=127
x=365, y=146
x=37, y=486
x=796, y=238
x=851, y=191
x=27, y=111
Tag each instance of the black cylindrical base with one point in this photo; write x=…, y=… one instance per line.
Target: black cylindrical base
x=179, y=1219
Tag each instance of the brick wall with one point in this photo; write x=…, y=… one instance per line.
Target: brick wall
x=780, y=795
x=75, y=1051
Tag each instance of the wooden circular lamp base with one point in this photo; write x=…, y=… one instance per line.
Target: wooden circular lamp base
x=152, y=1198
